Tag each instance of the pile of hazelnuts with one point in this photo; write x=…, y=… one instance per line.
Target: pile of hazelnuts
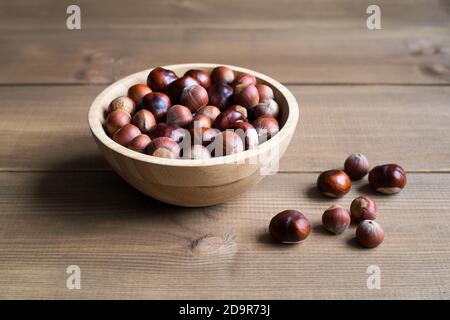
x=291, y=226
x=196, y=116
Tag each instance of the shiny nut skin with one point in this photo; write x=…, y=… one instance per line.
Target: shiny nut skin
x=289, y=226
x=137, y=93
x=159, y=78
x=369, y=234
x=157, y=103
x=356, y=166
x=239, y=108
x=226, y=143
x=169, y=131
x=243, y=80
x=265, y=92
x=202, y=77
x=194, y=97
x=226, y=119
x=179, y=115
x=387, y=178
x=247, y=133
x=247, y=97
x=197, y=152
x=175, y=89
x=116, y=120
x=163, y=147
x=203, y=136
x=363, y=208
x=222, y=74
x=220, y=95
x=336, y=219
x=334, y=183
x=266, y=108
x=124, y=135
x=123, y=103
x=140, y=143
x=201, y=121
x=144, y=120
x=266, y=127
x=210, y=111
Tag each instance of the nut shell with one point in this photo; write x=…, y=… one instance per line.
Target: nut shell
x=247, y=133
x=220, y=95
x=194, y=97
x=369, y=234
x=175, y=89
x=157, y=103
x=336, y=219
x=210, y=111
x=247, y=97
x=122, y=103
x=159, y=78
x=239, y=108
x=226, y=143
x=265, y=92
x=140, y=143
x=124, y=135
x=222, y=74
x=163, y=147
x=387, y=178
x=334, y=183
x=202, y=77
x=137, y=93
x=266, y=108
x=116, y=120
x=226, y=119
x=144, y=120
x=356, y=166
x=197, y=152
x=289, y=226
x=363, y=208
x=266, y=127
x=179, y=115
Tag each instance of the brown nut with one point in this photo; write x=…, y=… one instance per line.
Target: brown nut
x=170, y=131
x=239, y=108
x=124, y=135
x=336, y=219
x=203, y=136
x=222, y=74
x=116, y=120
x=157, y=103
x=220, y=95
x=356, y=166
x=159, y=78
x=265, y=92
x=243, y=80
x=175, y=89
x=194, y=97
x=163, y=147
x=363, y=208
x=140, y=143
x=247, y=97
x=387, y=178
x=144, y=120
x=197, y=152
x=266, y=108
x=179, y=115
x=289, y=226
x=266, y=127
x=334, y=183
x=226, y=119
x=247, y=133
x=226, y=143
x=122, y=103
x=137, y=93
x=210, y=111
x=202, y=77
x=369, y=234
x=201, y=121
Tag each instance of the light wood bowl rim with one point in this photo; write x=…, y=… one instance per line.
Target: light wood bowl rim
x=285, y=132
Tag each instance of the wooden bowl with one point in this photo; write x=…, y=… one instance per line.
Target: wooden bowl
x=193, y=183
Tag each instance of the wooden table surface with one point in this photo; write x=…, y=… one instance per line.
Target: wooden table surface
x=385, y=93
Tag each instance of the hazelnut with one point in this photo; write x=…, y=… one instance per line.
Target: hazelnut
x=137, y=93
x=289, y=226
x=266, y=108
x=168, y=130
x=144, y=120
x=227, y=118
x=334, y=183
x=247, y=97
x=222, y=74
x=266, y=127
x=197, y=152
x=265, y=92
x=179, y=115
x=159, y=78
x=387, y=178
x=363, y=208
x=203, y=136
x=220, y=95
x=210, y=111
x=201, y=121
x=247, y=133
x=124, y=135
x=202, y=77
x=122, y=103
x=240, y=109
x=356, y=166
x=163, y=147
x=226, y=143
x=336, y=219
x=140, y=143
x=175, y=89
x=243, y=80
x=194, y=97
x=369, y=234
x=116, y=120
x=157, y=103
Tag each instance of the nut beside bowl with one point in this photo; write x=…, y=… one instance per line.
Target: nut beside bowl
x=193, y=183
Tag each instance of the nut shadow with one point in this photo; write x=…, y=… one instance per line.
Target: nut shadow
x=265, y=238
x=352, y=242
x=313, y=193
x=320, y=229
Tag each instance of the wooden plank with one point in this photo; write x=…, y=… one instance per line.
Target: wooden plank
x=295, y=42
x=45, y=128
x=129, y=246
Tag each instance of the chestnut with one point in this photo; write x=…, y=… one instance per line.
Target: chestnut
x=387, y=178
x=179, y=115
x=201, y=121
x=157, y=103
x=116, y=120
x=243, y=80
x=356, y=166
x=170, y=131
x=202, y=77
x=247, y=96
x=163, y=147
x=265, y=92
x=222, y=74
x=210, y=111
x=159, y=78
x=144, y=120
x=140, y=143
x=336, y=219
x=227, y=118
x=363, y=208
x=124, y=135
x=266, y=127
x=197, y=152
x=220, y=95
x=334, y=183
x=266, y=108
x=247, y=133
x=239, y=108
x=194, y=97
x=226, y=143
x=175, y=89
x=137, y=93
x=122, y=103
x=289, y=226
x=369, y=234
x=203, y=136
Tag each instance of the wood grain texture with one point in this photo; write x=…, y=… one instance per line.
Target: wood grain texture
x=293, y=41
x=47, y=127
x=129, y=246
